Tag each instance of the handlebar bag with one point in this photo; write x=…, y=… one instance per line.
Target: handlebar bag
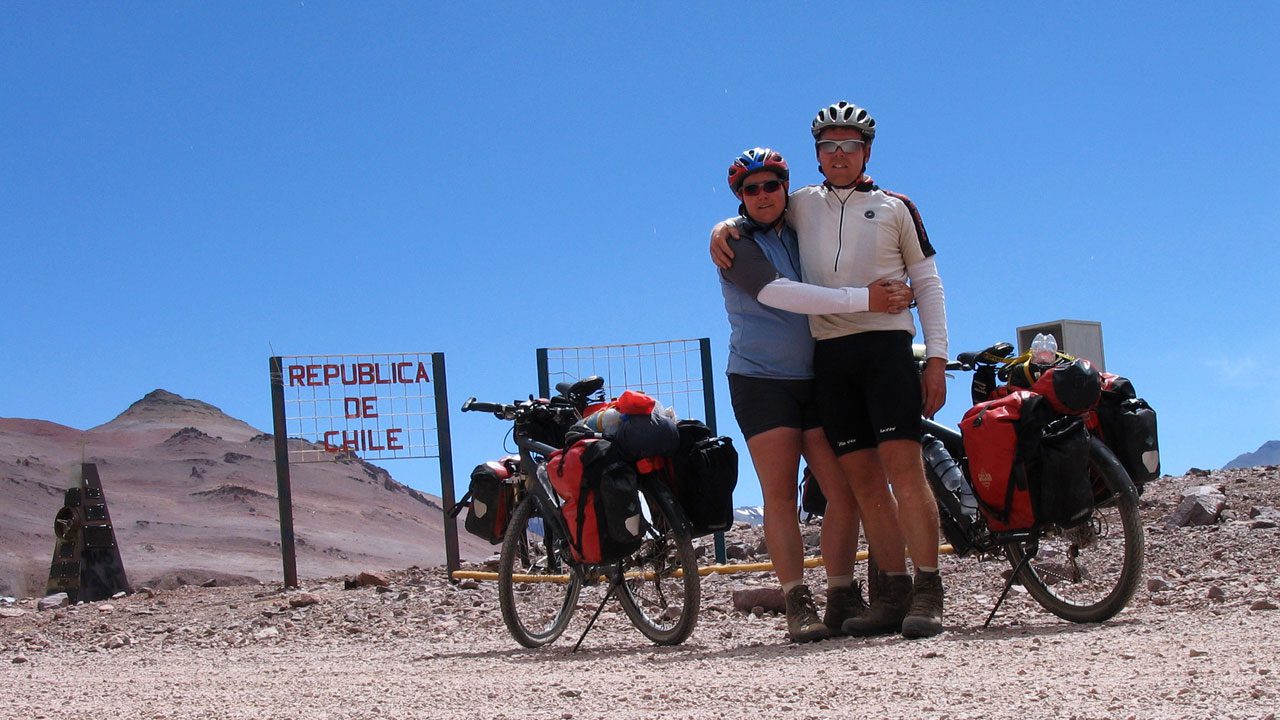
x=706, y=472
x=549, y=422
x=601, y=501
x=491, y=498
x=1127, y=424
x=990, y=433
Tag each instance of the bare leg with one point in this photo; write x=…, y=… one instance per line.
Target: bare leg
x=878, y=508
x=776, y=456
x=917, y=509
x=840, y=522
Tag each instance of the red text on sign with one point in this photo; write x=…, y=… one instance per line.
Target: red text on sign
x=363, y=440
x=360, y=407
x=404, y=373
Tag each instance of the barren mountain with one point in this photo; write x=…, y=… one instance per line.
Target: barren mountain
x=1267, y=454
x=192, y=489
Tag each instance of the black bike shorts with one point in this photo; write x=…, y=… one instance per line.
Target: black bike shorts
x=761, y=404
x=868, y=387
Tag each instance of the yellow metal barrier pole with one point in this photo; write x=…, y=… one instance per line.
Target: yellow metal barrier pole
x=812, y=562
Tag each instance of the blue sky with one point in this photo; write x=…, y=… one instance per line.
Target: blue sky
x=186, y=187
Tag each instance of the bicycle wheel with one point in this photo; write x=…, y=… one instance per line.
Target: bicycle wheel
x=1089, y=572
x=537, y=589
x=661, y=590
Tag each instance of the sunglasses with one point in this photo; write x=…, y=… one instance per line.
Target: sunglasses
x=755, y=188
x=846, y=146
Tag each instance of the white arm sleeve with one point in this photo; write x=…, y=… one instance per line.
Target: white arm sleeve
x=930, y=302
x=806, y=299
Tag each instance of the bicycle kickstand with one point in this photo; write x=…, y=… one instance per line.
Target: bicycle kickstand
x=614, y=582
x=1007, y=585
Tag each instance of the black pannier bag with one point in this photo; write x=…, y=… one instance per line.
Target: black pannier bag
x=491, y=498
x=813, y=502
x=706, y=472
x=1127, y=424
x=1071, y=388
x=1055, y=449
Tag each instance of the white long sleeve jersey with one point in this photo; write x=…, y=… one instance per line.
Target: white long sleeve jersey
x=852, y=238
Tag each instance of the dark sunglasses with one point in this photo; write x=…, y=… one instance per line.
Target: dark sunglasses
x=767, y=186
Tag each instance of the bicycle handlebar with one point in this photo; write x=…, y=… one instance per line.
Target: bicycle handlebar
x=472, y=406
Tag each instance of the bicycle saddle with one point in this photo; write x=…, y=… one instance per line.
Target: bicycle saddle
x=581, y=388
x=990, y=356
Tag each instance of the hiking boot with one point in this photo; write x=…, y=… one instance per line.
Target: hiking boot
x=843, y=603
x=803, y=624
x=924, y=617
x=875, y=580
x=887, y=609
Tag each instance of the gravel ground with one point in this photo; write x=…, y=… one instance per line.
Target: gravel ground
x=1198, y=641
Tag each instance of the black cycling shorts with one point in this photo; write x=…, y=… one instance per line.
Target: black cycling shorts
x=868, y=387
x=761, y=404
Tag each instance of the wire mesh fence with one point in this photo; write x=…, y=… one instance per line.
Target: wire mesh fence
x=674, y=372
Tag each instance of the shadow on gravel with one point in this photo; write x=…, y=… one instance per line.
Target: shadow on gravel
x=561, y=652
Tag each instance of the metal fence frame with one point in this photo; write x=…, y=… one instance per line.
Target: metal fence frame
x=588, y=357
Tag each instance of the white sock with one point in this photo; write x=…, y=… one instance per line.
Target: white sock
x=839, y=581
x=787, y=586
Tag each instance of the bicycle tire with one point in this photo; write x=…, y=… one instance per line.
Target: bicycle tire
x=537, y=587
x=1111, y=540
x=661, y=590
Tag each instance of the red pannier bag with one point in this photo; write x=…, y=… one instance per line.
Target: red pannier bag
x=990, y=432
x=601, y=501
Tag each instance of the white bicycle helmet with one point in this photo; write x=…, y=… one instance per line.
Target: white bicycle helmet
x=843, y=114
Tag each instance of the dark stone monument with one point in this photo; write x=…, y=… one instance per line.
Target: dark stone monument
x=86, y=559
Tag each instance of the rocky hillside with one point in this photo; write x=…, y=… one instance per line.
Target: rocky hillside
x=193, y=490
x=1197, y=641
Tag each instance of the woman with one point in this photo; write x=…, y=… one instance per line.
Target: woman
x=771, y=387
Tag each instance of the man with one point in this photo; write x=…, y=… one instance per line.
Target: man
x=871, y=394
x=771, y=354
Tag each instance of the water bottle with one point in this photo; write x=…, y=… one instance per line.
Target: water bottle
x=1044, y=349
x=948, y=471
x=605, y=422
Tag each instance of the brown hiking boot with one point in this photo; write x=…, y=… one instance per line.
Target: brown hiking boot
x=924, y=617
x=843, y=603
x=888, y=608
x=803, y=624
